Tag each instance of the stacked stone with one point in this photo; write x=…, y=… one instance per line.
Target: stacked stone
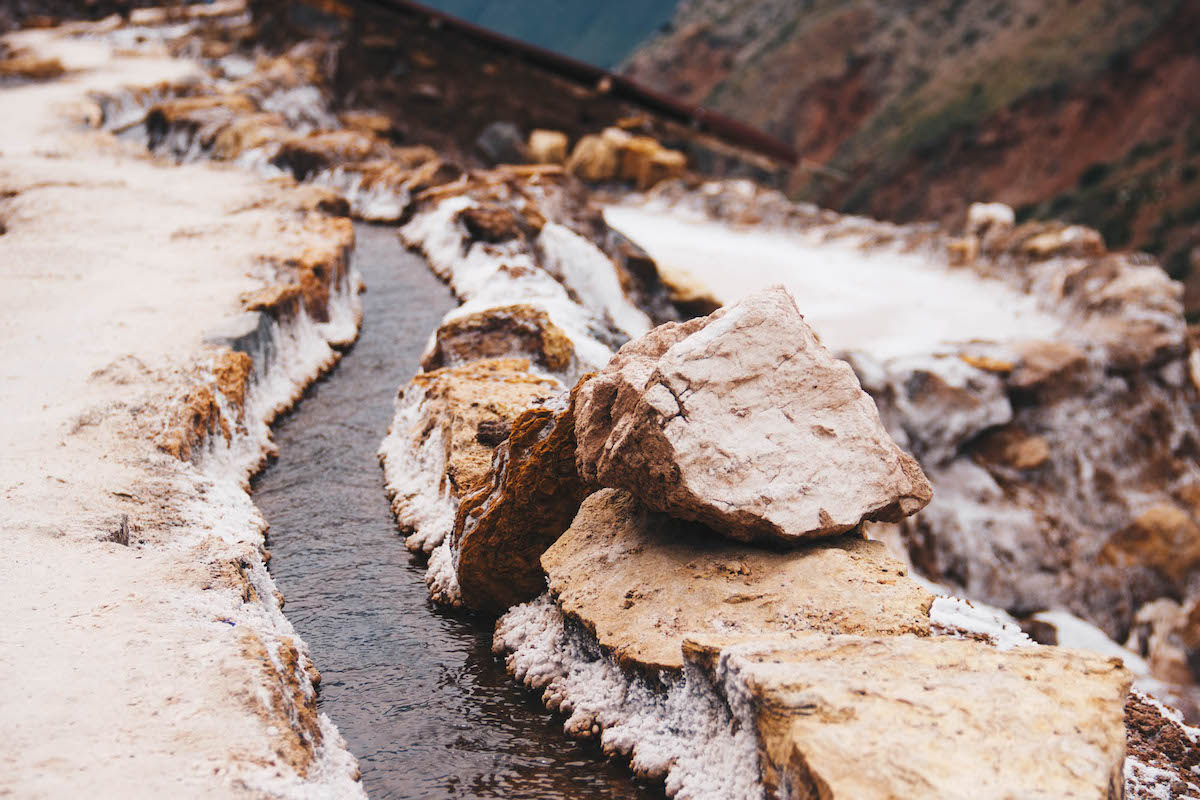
x=739, y=460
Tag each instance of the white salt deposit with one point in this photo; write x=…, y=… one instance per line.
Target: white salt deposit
x=678, y=729
x=881, y=302
x=413, y=471
x=954, y=616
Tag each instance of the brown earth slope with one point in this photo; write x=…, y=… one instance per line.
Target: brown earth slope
x=1085, y=110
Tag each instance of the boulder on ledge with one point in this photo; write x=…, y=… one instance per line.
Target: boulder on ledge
x=744, y=422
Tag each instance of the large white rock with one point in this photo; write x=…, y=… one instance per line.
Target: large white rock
x=744, y=422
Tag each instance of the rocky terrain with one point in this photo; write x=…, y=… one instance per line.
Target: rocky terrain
x=672, y=501
x=1079, y=110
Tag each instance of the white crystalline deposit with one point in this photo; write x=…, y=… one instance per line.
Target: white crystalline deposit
x=493, y=275
x=960, y=618
x=677, y=728
x=414, y=474
x=880, y=302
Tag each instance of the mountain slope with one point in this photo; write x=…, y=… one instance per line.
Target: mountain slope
x=1087, y=110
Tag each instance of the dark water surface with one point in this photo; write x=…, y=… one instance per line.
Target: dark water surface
x=418, y=695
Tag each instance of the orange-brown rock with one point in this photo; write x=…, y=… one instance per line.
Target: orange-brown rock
x=1013, y=447
x=1072, y=240
x=280, y=300
x=30, y=66
x=641, y=582
x=306, y=155
x=490, y=223
x=461, y=399
x=644, y=162
x=195, y=418
x=519, y=330
x=368, y=122
x=1164, y=538
x=247, y=132
x=232, y=372
x=547, y=147
x=595, y=158
x=310, y=197
x=1048, y=370
x=962, y=251
x=323, y=263
x=530, y=498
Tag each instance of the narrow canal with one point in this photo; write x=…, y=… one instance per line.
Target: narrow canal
x=423, y=704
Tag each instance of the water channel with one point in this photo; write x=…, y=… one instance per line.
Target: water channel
x=422, y=702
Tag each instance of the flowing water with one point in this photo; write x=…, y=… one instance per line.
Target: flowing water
x=415, y=690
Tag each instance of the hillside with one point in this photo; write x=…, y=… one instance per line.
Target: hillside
x=1086, y=110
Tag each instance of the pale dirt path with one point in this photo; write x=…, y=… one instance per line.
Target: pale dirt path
x=128, y=671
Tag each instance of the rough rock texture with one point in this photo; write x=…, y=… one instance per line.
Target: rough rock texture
x=744, y=422
x=865, y=717
x=1162, y=753
x=532, y=494
x=434, y=453
x=517, y=330
x=641, y=582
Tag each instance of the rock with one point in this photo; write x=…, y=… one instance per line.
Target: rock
x=368, y=122
x=963, y=251
x=744, y=422
x=595, y=158
x=26, y=65
x=946, y=401
x=1073, y=240
x=247, y=132
x=310, y=197
x=518, y=330
x=490, y=223
x=530, y=498
x=866, y=718
x=502, y=143
x=305, y=155
x=1161, y=634
x=547, y=147
x=433, y=453
x=1164, y=538
x=642, y=581
x=989, y=218
x=1013, y=447
x=1049, y=370
x=644, y=162
x=1162, y=753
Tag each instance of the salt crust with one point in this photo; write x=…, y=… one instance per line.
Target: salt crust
x=294, y=355
x=675, y=727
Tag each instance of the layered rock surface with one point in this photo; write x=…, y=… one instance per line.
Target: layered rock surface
x=744, y=422
x=641, y=581
x=531, y=496
x=866, y=717
x=439, y=445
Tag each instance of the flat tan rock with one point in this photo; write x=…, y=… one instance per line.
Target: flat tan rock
x=642, y=582
x=866, y=718
x=744, y=422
